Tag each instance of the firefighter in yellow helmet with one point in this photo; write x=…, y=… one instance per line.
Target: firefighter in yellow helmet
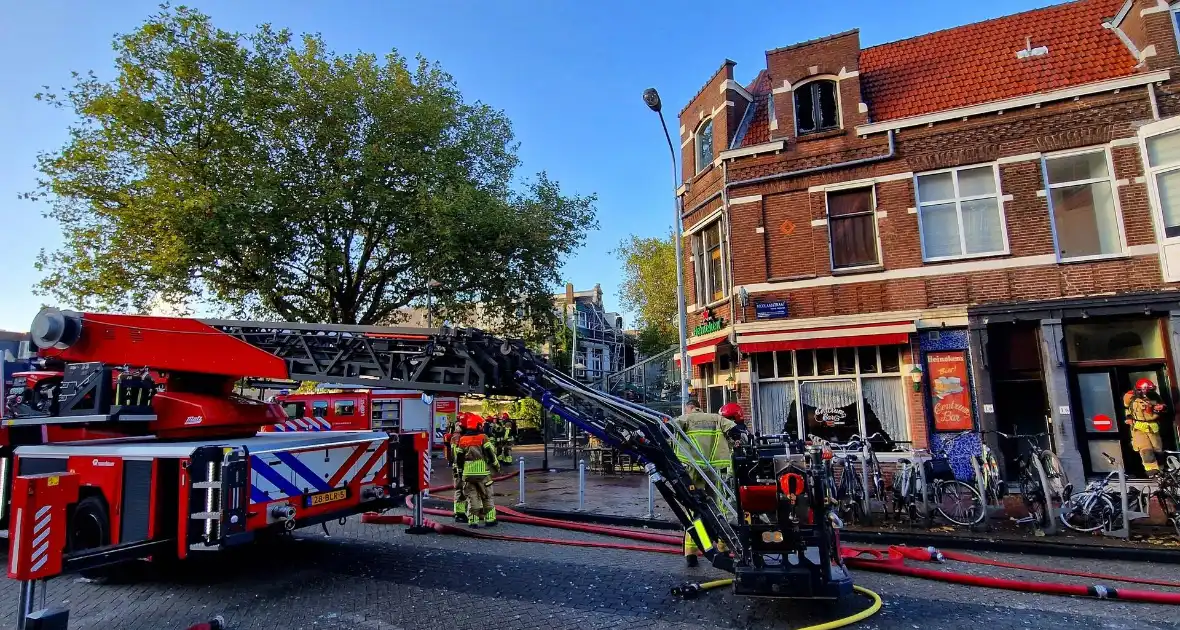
x=477, y=460
x=713, y=435
x=1143, y=410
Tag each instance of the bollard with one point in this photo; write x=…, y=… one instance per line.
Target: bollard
x=651, y=498
x=418, y=526
x=521, y=475
x=581, y=484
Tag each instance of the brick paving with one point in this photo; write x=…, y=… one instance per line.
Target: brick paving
x=376, y=577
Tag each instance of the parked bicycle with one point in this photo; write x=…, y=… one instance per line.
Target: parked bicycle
x=1099, y=506
x=1167, y=492
x=956, y=501
x=987, y=474
x=850, y=492
x=1042, y=479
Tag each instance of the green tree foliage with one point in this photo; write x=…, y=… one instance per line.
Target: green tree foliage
x=649, y=289
x=272, y=177
x=527, y=412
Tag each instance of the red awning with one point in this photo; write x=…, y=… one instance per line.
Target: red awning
x=703, y=352
x=887, y=333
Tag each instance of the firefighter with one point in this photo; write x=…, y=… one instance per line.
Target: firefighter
x=451, y=447
x=506, y=436
x=477, y=459
x=712, y=435
x=1143, y=409
x=733, y=411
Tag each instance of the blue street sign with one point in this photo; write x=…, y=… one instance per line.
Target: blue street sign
x=770, y=310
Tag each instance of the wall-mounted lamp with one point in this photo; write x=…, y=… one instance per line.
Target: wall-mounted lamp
x=916, y=377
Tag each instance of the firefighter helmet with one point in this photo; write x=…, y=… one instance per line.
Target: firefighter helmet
x=1144, y=386
x=472, y=422
x=504, y=415
x=733, y=411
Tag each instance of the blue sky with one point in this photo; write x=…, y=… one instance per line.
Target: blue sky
x=568, y=73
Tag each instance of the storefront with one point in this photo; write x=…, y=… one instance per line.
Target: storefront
x=1064, y=367
x=832, y=382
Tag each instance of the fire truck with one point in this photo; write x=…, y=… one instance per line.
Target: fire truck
x=140, y=467
x=350, y=409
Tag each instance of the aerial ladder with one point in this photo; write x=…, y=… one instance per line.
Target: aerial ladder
x=158, y=389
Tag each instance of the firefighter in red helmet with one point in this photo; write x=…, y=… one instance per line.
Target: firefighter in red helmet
x=1144, y=407
x=477, y=460
x=710, y=439
x=733, y=411
x=451, y=448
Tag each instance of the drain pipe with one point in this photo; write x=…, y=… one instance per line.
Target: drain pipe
x=817, y=169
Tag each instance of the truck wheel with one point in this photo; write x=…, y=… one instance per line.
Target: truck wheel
x=90, y=529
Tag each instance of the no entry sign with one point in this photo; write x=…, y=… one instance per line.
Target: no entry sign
x=1102, y=422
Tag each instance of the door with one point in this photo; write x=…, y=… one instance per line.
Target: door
x=1161, y=156
x=1098, y=393
x=1021, y=408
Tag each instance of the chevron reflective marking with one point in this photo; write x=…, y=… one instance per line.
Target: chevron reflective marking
x=301, y=422
x=270, y=481
x=305, y=473
x=377, y=457
x=291, y=425
x=257, y=496
x=280, y=428
x=349, y=464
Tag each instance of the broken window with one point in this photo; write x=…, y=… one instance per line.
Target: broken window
x=816, y=107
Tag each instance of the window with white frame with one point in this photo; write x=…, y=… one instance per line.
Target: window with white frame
x=1082, y=204
x=708, y=247
x=852, y=227
x=959, y=213
x=816, y=107
x=833, y=394
x=1163, y=161
x=704, y=145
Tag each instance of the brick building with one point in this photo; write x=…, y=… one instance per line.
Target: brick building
x=973, y=228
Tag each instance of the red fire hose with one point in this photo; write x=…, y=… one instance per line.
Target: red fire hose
x=894, y=563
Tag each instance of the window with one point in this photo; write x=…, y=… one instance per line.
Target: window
x=959, y=213
x=709, y=263
x=293, y=409
x=705, y=145
x=816, y=107
x=583, y=322
x=345, y=408
x=1082, y=205
x=833, y=393
x=387, y=414
x=319, y=409
x=1163, y=161
x=852, y=226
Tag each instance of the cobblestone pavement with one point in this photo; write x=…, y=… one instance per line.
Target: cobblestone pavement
x=376, y=577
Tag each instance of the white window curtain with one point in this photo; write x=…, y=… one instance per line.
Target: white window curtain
x=775, y=401
x=885, y=400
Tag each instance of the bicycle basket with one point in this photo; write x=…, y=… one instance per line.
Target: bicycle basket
x=939, y=469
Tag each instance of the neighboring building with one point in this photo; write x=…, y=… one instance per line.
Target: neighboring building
x=977, y=228
x=602, y=346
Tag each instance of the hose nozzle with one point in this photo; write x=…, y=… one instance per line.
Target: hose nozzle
x=688, y=590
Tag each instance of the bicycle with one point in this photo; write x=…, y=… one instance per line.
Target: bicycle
x=987, y=470
x=1167, y=492
x=1042, y=479
x=956, y=501
x=1096, y=507
x=848, y=493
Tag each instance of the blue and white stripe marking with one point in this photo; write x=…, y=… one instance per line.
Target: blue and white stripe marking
x=285, y=474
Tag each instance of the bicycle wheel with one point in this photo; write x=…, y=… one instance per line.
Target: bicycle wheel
x=1087, y=512
x=958, y=502
x=852, y=494
x=1032, y=494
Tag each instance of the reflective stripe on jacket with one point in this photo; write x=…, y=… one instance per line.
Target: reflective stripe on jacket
x=707, y=432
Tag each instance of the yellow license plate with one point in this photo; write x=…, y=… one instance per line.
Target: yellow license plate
x=321, y=498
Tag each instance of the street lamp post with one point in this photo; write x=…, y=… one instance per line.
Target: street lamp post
x=652, y=98
x=430, y=302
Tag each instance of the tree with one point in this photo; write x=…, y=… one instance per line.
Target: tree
x=269, y=176
x=527, y=412
x=649, y=289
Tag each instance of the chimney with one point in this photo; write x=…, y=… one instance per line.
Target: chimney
x=569, y=293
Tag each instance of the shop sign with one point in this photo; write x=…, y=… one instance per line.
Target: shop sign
x=445, y=406
x=709, y=324
x=770, y=310
x=950, y=395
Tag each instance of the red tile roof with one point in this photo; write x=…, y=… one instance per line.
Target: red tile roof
x=758, y=131
x=977, y=63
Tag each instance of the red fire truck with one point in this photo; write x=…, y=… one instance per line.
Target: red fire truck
x=163, y=459
x=399, y=411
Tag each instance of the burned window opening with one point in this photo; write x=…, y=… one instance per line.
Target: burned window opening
x=816, y=107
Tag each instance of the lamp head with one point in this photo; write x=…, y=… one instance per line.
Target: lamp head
x=652, y=98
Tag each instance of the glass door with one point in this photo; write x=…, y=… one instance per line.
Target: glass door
x=1099, y=394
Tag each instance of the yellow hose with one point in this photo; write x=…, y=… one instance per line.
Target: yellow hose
x=827, y=625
